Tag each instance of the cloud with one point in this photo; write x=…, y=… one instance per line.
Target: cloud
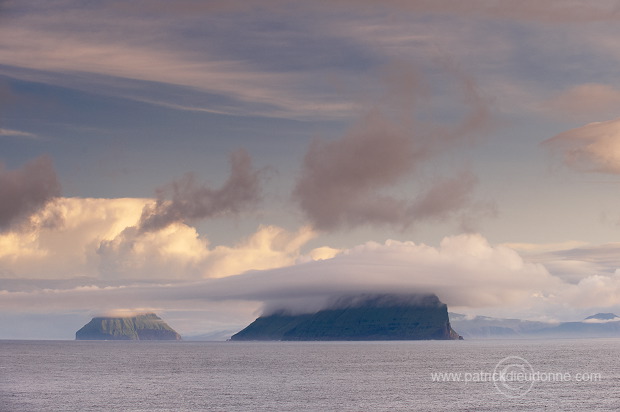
x=444, y=197
x=594, y=147
x=170, y=253
x=136, y=51
x=98, y=239
x=270, y=247
x=179, y=252
x=192, y=201
x=132, y=238
x=17, y=133
x=67, y=250
x=533, y=248
x=465, y=271
x=123, y=59
x=343, y=181
x=575, y=261
x=26, y=190
x=594, y=291
x=586, y=100
x=339, y=178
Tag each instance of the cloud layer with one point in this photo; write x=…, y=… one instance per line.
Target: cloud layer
x=465, y=271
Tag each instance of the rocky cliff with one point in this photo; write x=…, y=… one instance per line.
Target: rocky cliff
x=366, y=317
x=146, y=326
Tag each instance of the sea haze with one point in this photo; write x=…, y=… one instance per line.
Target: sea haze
x=286, y=376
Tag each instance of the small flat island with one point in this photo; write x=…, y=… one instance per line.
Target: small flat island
x=145, y=326
x=355, y=318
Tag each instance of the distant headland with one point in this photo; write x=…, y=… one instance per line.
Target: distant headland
x=146, y=326
x=600, y=325
x=356, y=318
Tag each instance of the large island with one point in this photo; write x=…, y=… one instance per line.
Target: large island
x=365, y=317
x=146, y=326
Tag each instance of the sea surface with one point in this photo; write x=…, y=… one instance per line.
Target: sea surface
x=315, y=376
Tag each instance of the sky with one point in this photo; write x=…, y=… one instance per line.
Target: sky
x=213, y=160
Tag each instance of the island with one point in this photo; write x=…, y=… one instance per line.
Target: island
x=357, y=318
x=146, y=326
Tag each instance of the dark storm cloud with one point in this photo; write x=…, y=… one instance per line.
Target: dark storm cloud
x=186, y=199
x=342, y=182
x=26, y=190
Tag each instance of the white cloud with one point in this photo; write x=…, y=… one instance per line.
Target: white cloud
x=170, y=253
x=464, y=271
x=270, y=247
x=97, y=238
x=69, y=249
x=594, y=291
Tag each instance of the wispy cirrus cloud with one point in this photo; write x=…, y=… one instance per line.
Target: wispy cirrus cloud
x=233, y=54
x=100, y=44
x=18, y=134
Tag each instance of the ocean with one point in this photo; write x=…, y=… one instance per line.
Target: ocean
x=476, y=375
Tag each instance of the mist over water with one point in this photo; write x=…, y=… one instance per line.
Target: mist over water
x=284, y=376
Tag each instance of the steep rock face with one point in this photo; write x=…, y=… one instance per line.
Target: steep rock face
x=366, y=317
x=146, y=326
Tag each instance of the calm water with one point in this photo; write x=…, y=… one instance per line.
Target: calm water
x=323, y=376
